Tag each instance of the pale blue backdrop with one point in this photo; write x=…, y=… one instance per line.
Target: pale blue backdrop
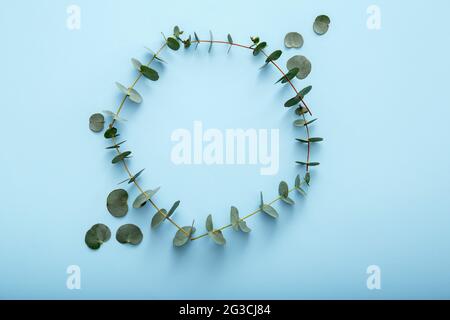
x=380, y=197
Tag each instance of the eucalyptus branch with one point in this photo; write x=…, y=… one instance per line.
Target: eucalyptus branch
x=117, y=200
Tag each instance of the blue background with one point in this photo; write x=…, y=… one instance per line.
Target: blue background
x=380, y=196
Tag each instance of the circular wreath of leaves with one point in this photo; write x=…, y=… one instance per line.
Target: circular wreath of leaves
x=117, y=201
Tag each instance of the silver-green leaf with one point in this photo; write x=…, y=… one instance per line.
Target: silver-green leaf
x=117, y=203
x=97, y=122
x=293, y=40
x=142, y=199
x=303, y=65
x=129, y=234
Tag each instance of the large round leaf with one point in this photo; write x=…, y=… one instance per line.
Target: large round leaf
x=97, y=235
x=129, y=233
x=321, y=25
x=303, y=65
x=97, y=122
x=293, y=40
x=117, y=203
x=172, y=43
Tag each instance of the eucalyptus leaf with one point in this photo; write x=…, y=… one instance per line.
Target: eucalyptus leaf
x=209, y=224
x=234, y=218
x=142, y=199
x=129, y=234
x=111, y=133
x=274, y=56
x=283, y=191
x=303, y=122
x=293, y=40
x=310, y=164
x=116, y=146
x=211, y=41
x=132, y=94
x=181, y=238
x=243, y=226
x=260, y=47
x=298, y=98
x=120, y=157
x=197, y=40
x=154, y=55
x=137, y=175
x=301, y=111
x=177, y=31
x=97, y=235
x=310, y=140
x=307, y=178
x=136, y=64
x=270, y=211
x=113, y=116
x=288, y=76
x=303, y=65
x=298, y=186
x=158, y=218
x=218, y=237
x=172, y=43
x=117, y=203
x=230, y=41
x=321, y=25
x=149, y=73
x=187, y=42
x=97, y=122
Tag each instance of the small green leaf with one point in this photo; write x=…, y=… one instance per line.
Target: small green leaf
x=97, y=235
x=97, y=122
x=181, y=238
x=321, y=25
x=302, y=64
x=292, y=102
x=307, y=178
x=288, y=76
x=120, y=157
x=283, y=189
x=310, y=140
x=177, y=31
x=116, y=146
x=218, y=237
x=301, y=111
x=187, y=43
x=230, y=41
x=149, y=73
x=129, y=234
x=293, y=40
x=111, y=133
x=259, y=48
x=234, y=218
x=303, y=122
x=274, y=56
x=298, y=186
x=197, y=40
x=117, y=203
x=209, y=224
x=305, y=91
x=310, y=164
x=132, y=94
x=136, y=64
x=158, y=218
x=142, y=199
x=172, y=43
x=255, y=40
x=211, y=41
x=270, y=211
x=134, y=178
x=243, y=226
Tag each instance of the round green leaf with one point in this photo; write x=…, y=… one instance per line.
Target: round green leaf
x=234, y=218
x=303, y=65
x=293, y=40
x=121, y=157
x=129, y=233
x=243, y=226
x=111, y=133
x=97, y=122
x=181, y=238
x=321, y=25
x=97, y=235
x=142, y=199
x=270, y=211
x=218, y=237
x=274, y=56
x=158, y=218
x=117, y=203
x=131, y=93
x=283, y=189
x=149, y=73
x=172, y=43
x=209, y=224
x=259, y=48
